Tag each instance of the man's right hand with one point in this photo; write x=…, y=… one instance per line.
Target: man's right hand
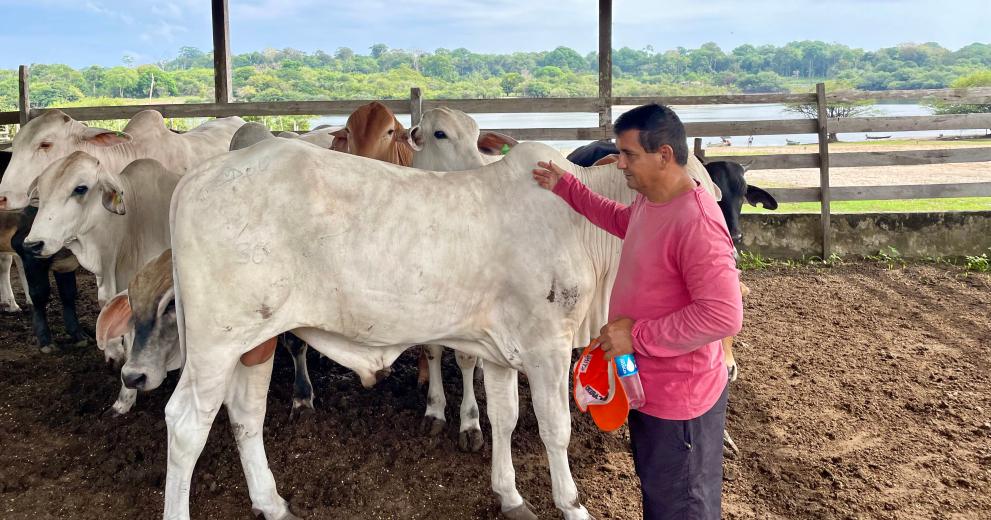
x=547, y=174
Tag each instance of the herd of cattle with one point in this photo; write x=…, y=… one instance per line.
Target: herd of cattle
x=211, y=246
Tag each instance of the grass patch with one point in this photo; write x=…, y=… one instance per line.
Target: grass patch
x=883, y=206
x=750, y=261
x=980, y=264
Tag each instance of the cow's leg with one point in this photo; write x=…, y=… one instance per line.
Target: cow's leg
x=7, y=301
x=67, y=292
x=503, y=407
x=732, y=369
x=470, y=433
x=189, y=415
x=245, y=402
x=36, y=270
x=434, y=421
x=23, y=277
x=302, y=389
x=549, y=391
x=125, y=401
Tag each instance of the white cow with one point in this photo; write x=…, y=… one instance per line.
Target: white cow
x=54, y=135
x=449, y=140
x=113, y=223
x=379, y=258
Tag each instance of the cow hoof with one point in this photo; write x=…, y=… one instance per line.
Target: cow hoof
x=470, y=441
x=111, y=413
x=47, y=349
x=300, y=413
x=10, y=308
x=432, y=426
x=520, y=512
x=288, y=516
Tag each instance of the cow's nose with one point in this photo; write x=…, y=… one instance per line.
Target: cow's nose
x=135, y=381
x=34, y=248
x=3, y=202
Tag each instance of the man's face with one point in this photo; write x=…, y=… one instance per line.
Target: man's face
x=640, y=167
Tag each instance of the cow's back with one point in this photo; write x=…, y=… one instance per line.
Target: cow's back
x=376, y=252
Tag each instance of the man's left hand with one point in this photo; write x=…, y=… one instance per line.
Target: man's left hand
x=616, y=338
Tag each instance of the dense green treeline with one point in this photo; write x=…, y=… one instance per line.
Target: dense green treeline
x=290, y=74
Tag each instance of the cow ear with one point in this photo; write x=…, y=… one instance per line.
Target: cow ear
x=114, y=320
x=609, y=159
x=494, y=143
x=340, y=140
x=104, y=137
x=414, y=136
x=113, y=195
x=756, y=196
x=166, y=300
x=33, y=192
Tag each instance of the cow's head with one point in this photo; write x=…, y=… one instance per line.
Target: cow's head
x=728, y=176
x=152, y=317
x=41, y=142
x=449, y=140
x=74, y=194
x=373, y=131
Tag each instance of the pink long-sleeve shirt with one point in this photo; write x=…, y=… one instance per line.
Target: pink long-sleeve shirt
x=678, y=280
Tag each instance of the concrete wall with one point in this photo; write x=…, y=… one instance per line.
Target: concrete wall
x=793, y=235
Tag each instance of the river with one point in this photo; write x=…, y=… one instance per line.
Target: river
x=700, y=113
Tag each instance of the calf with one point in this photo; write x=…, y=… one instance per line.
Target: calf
x=373, y=131
x=8, y=226
x=146, y=310
x=113, y=224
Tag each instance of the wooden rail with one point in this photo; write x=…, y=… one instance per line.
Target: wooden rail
x=912, y=191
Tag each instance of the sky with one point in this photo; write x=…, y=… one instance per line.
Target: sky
x=87, y=32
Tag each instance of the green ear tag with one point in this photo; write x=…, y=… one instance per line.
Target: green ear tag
x=118, y=198
x=505, y=149
x=118, y=133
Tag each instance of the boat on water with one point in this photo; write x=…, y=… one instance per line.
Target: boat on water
x=792, y=143
x=869, y=136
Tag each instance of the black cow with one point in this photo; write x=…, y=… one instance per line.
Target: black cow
x=728, y=176
x=36, y=269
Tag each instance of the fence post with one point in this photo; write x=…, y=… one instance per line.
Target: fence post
x=699, y=151
x=605, y=66
x=23, y=95
x=415, y=106
x=823, y=123
x=221, y=51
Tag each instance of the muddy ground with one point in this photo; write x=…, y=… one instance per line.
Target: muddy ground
x=864, y=393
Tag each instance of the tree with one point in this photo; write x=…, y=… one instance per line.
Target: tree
x=511, y=82
x=120, y=79
x=563, y=58
x=977, y=79
x=761, y=82
x=811, y=111
x=378, y=49
x=344, y=53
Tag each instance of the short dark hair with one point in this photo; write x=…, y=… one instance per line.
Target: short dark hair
x=658, y=125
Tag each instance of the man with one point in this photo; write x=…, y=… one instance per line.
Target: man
x=677, y=294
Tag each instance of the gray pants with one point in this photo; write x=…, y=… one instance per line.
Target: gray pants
x=680, y=463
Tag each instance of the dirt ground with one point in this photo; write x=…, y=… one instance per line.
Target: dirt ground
x=864, y=393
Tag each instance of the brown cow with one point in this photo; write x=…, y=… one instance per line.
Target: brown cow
x=373, y=131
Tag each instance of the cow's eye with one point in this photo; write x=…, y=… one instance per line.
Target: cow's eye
x=439, y=134
x=392, y=131
x=44, y=145
x=80, y=190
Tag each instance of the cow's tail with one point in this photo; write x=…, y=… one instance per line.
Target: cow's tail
x=179, y=310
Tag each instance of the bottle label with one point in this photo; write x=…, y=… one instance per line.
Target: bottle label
x=626, y=366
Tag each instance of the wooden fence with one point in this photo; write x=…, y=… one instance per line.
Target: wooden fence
x=602, y=105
